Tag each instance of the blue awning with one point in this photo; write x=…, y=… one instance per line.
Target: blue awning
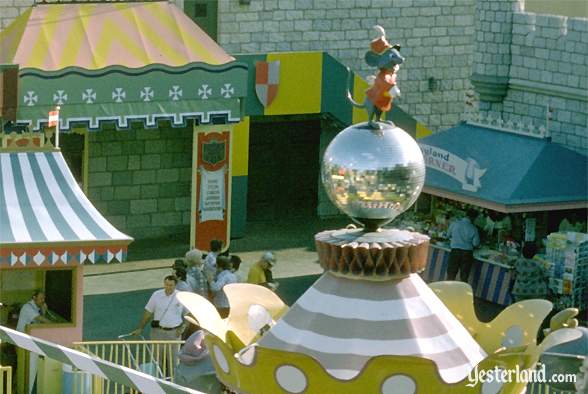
x=504, y=171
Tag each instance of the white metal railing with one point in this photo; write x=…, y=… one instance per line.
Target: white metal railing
x=156, y=358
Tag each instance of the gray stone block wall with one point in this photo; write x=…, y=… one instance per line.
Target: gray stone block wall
x=141, y=179
x=10, y=9
x=492, y=57
x=436, y=38
x=550, y=68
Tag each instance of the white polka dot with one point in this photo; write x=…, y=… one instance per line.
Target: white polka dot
x=246, y=355
x=399, y=384
x=291, y=379
x=220, y=358
x=514, y=337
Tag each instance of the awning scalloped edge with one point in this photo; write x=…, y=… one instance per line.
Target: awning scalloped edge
x=59, y=256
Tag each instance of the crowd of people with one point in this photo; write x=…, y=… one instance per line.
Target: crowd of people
x=206, y=276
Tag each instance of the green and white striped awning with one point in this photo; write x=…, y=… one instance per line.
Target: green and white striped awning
x=46, y=218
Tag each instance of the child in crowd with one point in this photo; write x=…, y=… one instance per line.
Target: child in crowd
x=224, y=277
x=210, y=260
x=236, y=263
x=179, y=268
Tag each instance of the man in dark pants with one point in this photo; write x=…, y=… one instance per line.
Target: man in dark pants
x=464, y=238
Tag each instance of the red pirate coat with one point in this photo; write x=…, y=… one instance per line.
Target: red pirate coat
x=379, y=93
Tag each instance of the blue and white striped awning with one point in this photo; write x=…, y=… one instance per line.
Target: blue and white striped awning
x=46, y=219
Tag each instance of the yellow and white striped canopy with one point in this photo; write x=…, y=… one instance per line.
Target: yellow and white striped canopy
x=52, y=37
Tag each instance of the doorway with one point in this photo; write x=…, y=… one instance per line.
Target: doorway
x=283, y=169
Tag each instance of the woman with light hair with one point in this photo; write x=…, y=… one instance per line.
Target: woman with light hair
x=196, y=276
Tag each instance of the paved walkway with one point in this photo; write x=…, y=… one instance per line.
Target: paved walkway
x=292, y=240
x=149, y=274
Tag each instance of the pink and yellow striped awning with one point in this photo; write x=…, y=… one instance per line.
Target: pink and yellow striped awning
x=52, y=37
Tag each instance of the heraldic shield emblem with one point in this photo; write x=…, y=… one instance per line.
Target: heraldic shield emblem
x=213, y=152
x=267, y=78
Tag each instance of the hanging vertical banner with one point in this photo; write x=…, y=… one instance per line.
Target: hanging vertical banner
x=211, y=186
x=212, y=195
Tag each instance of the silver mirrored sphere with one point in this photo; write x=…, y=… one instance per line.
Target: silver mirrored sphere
x=373, y=175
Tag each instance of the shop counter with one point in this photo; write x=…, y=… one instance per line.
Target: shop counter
x=491, y=281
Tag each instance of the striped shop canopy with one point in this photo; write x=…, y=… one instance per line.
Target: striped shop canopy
x=46, y=218
x=343, y=323
x=119, y=63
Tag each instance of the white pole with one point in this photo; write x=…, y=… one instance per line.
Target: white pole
x=57, y=128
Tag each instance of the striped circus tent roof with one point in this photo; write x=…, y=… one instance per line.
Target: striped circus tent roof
x=343, y=323
x=51, y=37
x=46, y=218
x=121, y=63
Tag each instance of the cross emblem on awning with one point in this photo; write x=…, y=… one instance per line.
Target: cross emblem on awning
x=31, y=98
x=204, y=92
x=118, y=95
x=227, y=91
x=175, y=93
x=59, y=97
x=147, y=93
x=89, y=96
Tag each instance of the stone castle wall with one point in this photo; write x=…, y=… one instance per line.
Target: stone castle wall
x=525, y=64
x=10, y=9
x=141, y=179
x=550, y=69
x=436, y=38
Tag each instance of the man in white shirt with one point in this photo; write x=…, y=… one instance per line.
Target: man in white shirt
x=33, y=311
x=168, y=322
x=464, y=238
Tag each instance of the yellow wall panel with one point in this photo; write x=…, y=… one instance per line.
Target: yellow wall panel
x=359, y=88
x=240, y=157
x=299, y=90
x=422, y=131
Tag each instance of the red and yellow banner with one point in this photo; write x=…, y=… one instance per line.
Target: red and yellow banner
x=211, y=194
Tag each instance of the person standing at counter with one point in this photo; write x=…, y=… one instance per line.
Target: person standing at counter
x=531, y=277
x=464, y=238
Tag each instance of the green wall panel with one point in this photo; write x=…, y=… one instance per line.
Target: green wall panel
x=238, y=206
x=334, y=94
x=402, y=120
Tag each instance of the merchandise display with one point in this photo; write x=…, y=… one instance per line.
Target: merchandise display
x=567, y=263
x=563, y=255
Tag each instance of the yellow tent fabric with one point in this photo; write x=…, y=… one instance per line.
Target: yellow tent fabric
x=51, y=37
